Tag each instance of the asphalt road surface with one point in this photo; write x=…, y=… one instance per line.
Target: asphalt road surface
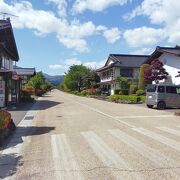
x=74, y=138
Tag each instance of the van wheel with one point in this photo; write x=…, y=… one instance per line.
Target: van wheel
x=161, y=105
x=150, y=106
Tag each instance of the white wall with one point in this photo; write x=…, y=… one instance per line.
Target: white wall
x=172, y=66
x=116, y=72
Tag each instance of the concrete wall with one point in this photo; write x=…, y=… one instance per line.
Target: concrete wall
x=172, y=66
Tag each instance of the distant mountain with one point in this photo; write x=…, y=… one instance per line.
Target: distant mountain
x=55, y=80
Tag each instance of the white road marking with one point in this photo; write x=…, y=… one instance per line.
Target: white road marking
x=169, y=130
x=64, y=161
x=105, y=114
x=153, y=155
x=108, y=156
x=118, y=118
x=139, y=117
x=169, y=142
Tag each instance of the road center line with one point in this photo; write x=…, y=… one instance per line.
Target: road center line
x=102, y=113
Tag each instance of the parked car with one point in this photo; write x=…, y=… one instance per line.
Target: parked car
x=163, y=95
x=105, y=92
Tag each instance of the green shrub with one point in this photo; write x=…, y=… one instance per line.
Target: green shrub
x=123, y=82
x=133, y=88
x=121, y=91
x=141, y=83
x=124, y=92
x=140, y=92
x=26, y=97
x=89, y=92
x=125, y=98
x=116, y=91
x=84, y=92
x=143, y=99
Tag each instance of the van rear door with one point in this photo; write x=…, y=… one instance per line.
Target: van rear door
x=171, y=96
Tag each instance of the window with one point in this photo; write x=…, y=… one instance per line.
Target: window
x=151, y=88
x=126, y=72
x=5, y=63
x=171, y=89
x=161, y=89
x=178, y=90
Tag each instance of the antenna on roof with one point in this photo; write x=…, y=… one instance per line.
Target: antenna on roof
x=5, y=15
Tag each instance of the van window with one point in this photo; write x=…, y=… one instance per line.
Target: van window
x=178, y=90
x=171, y=89
x=161, y=89
x=151, y=88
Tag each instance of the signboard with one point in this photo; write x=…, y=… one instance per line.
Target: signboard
x=2, y=93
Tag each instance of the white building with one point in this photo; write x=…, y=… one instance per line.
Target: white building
x=120, y=65
x=170, y=57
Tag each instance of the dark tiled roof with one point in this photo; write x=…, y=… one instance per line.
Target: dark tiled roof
x=25, y=71
x=124, y=60
x=160, y=50
x=7, y=40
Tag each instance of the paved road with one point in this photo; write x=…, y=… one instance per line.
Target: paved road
x=82, y=138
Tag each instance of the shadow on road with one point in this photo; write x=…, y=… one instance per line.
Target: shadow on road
x=9, y=165
x=9, y=161
x=40, y=105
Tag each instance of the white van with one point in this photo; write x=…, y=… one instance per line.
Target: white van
x=163, y=95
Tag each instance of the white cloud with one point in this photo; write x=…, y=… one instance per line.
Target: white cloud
x=143, y=51
x=95, y=5
x=143, y=36
x=56, y=66
x=61, y=6
x=89, y=64
x=72, y=61
x=71, y=34
x=42, y=22
x=161, y=12
x=112, y=35
x=95, y=64
x=75, y=61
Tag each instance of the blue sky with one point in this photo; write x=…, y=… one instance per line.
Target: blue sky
x=52, y=35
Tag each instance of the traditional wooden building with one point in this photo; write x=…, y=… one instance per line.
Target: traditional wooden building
x=120, y=65
x=10, y=82
x=25, y=73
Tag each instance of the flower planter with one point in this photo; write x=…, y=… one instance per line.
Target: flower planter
x=2, y=136
x=6, y=125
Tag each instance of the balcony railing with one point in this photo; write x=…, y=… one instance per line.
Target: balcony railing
x=105, y=79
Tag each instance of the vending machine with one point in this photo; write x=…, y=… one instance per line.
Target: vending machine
x=2, y=94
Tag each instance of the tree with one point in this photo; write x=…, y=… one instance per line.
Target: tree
x=123, y=82
x=142, y=83
x=37, y=81
x=155, y=72
x=78, y=77
x=92, y=79
x=74, y=79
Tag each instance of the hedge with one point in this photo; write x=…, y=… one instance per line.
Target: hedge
x=126, y=98
x=121, y=91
